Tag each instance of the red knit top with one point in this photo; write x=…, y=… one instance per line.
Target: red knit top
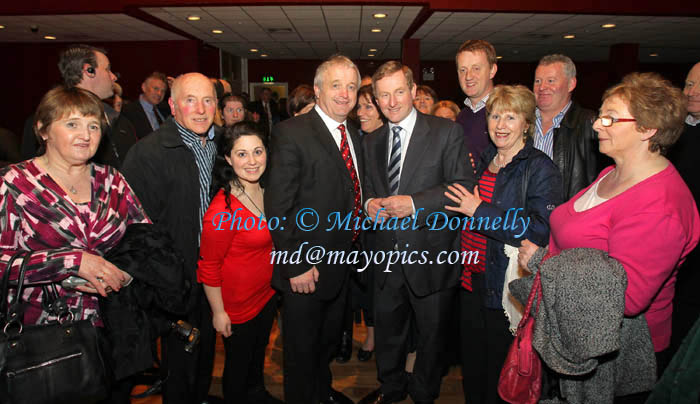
x=473, y=241
x=237, y=260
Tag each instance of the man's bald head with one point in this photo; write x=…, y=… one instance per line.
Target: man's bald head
x=193, y=102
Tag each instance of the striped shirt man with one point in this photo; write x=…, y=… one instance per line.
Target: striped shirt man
x=545, y=141
x=204, y=156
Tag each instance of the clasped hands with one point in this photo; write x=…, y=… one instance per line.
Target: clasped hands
x=391, y=206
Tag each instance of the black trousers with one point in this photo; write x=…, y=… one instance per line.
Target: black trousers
x=396, y=308
x=245, y=357
x=312, y=329
x=485, y=340
x=189, y=374
x=362, y=296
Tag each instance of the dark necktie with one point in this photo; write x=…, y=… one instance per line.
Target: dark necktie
x=155, y=112
x=347, y=156
x=394, y=169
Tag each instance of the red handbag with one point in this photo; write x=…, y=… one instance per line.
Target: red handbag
x=521, y=377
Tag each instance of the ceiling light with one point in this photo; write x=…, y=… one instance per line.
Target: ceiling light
x=570, y=36
x=371, y=55
x=373, y=50
x=608, y=26
x=264, y=55
x=379, y=16
x=217, y=31
x=193, y=18
x=653, y=55
x=376, y=30
x=49, y=37
x=253, y=50
x=499, y=57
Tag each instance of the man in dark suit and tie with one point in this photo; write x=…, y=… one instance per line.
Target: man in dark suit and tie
x=269, y=112
x=144, y=113
x=314, y=174
x=409, y=162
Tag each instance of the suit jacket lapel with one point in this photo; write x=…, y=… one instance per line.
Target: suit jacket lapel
x=382, y=153
x=326, y=139
x=420, y=140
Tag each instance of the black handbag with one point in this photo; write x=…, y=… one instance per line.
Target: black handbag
x=57, y=362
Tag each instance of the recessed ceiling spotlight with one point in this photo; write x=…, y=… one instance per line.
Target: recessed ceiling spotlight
x=264, y=55
x=253, y=50
x=217, y=31
x=373, y=50
x=653, y=55
x=49, y=37
x=379, y=16
x=193, y=18
x=376, y=30
x=608, y=26
x=570, y=36
x=499, y=57
x=371, y=55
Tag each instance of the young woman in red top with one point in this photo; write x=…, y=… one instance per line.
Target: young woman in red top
x=234, y=263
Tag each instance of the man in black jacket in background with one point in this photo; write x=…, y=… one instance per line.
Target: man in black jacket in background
x=563, y=129
x=683, y=155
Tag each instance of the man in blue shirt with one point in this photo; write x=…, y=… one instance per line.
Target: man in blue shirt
x=563, y=129
x=144, y=114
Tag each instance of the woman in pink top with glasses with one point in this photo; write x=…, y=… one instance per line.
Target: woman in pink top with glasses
x=639, y=210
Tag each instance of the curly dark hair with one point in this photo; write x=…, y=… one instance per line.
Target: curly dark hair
x=223, y=175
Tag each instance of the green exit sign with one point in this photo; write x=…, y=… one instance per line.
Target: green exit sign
x=268, y=79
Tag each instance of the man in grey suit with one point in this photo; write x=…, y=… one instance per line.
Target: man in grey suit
x=408, y=164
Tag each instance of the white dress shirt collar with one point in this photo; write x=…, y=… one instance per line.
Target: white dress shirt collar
x=407, y=124
x=331, y=123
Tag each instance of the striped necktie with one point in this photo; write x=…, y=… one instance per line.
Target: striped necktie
x=394, y=170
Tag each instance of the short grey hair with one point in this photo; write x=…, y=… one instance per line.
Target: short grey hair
x=177, y=84
x=569, y=66
x=335, y=60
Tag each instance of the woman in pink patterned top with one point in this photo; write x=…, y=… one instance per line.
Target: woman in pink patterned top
x=66, y=211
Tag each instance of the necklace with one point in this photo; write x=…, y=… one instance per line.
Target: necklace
x=496, y=162
x=71, y=188
x=262, y=214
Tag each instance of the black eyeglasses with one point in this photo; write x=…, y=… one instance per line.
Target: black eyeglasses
x=608, y=121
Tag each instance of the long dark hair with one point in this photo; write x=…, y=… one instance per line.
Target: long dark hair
x=223, y=175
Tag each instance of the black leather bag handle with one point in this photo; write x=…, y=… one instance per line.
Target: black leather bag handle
x=5, y=286
x=15, y=309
